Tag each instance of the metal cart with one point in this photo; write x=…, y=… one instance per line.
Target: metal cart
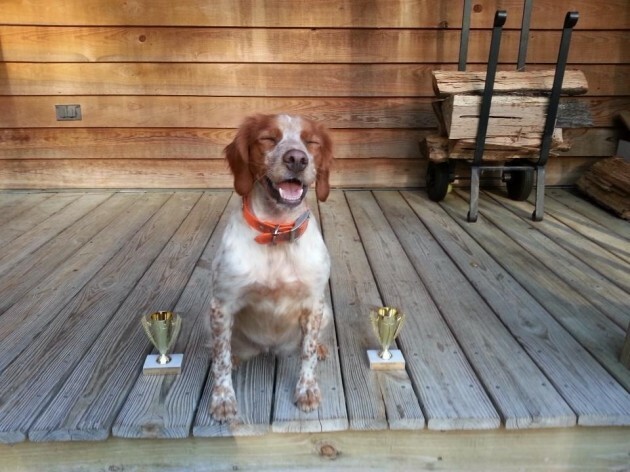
x=518, y=174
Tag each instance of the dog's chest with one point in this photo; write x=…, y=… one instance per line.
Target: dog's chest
x=249, y=273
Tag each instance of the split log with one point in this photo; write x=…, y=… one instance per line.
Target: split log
x=446, y=83
x=509, y=116
x=440, y=149
x=608, y=183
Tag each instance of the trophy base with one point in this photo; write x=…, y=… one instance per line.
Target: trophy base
x=397, y=362
x=151, y=366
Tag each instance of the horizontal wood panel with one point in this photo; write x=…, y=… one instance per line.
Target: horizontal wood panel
x=164, y=143
x=322, y=13
x=145, y=44
x=182, y=173
x=215, y=112
x=258, y=80
x=213, y=173
x=226, y=112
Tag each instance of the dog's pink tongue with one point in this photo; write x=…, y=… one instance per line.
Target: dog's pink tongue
x=290, y=190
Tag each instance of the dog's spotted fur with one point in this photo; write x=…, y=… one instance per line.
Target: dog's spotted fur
x=271, y=297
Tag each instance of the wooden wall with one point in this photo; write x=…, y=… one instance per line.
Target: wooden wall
x=163, y=84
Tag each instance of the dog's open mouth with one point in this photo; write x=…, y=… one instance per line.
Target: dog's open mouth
x=289, y=192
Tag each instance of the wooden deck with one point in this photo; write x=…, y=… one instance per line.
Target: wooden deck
x=511, y=325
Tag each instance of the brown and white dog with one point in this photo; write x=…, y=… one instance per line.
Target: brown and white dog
x=272, y=267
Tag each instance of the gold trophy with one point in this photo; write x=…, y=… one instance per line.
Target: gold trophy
x=162, y=328
x=387, y=323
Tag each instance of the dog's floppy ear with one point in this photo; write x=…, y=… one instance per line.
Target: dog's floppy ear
x=237, y=154
x=324, y=163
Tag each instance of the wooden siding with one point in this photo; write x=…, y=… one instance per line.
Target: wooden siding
x=162, y=87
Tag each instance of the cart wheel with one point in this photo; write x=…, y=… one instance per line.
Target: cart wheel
x=519, y=183
x=438, y=180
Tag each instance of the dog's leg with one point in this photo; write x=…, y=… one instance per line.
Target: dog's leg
x=223, y=399
x=307, y=393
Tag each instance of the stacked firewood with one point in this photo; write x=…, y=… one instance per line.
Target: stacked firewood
x=517, y=114
x=608, y=183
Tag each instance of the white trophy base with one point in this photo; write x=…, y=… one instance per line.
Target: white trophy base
x=397, y=361
x=174, y=367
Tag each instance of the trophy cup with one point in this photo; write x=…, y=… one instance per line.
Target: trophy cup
x=162, y=328
x=387, y=322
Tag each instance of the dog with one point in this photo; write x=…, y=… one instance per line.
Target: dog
x=272, y=266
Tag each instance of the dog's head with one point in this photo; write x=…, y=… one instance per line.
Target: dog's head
x=285, y=154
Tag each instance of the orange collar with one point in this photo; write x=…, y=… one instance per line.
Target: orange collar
x=275, y=233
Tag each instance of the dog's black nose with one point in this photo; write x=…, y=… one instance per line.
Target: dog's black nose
x=295, y=160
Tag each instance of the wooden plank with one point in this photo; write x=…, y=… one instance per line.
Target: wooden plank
x=198, y=143
x=594, y=449
x=126, y=44
x=183, y=173
x=165, y=406
x=447, y=386
x=26, y=271
x=222, y=80
x=35, y=215
x=571, y=199
x=348, y=173
x=325, y=13
x=13, y=205
x=510, y=115
x=607, y=297
x=222, y=112
x=87, y=404
x=447, y=83
x=29, y=245
x=572, y=449
x=599, y=247
x=440, y=149
x=253, y=386
x=28, y=317
x=189, y=143
x=354, y=294
x=331, y=414
x=598, y=334
x=586, y=386
x=525, y=400
x=38, y=373
x=225, y=80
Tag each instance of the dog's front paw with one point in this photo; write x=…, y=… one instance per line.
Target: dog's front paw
x=307, y=395
x=223, y=404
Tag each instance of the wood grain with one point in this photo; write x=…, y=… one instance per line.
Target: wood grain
x=165, y=406
x=354, y=294
x=608, y=298
x=42, y=367
x=38, y=252
x=448, y=390
x=325, y=13
x=224, y=112
x=571, y=369
x=331, y=415
x=87, y=405
x=124, y=44
x=525, y=400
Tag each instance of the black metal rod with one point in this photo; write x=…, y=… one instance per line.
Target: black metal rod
x=463, y=42
x=522, y=47
x=570, y=21
x=486, y=100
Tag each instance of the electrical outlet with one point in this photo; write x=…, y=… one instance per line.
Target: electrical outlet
x=68, y=112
